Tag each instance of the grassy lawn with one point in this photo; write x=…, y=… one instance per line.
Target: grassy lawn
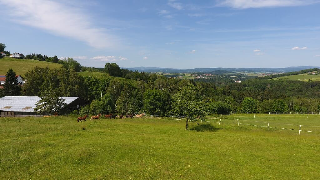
x=21, y=66
x=153, y=148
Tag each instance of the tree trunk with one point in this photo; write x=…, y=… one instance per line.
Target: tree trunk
x=187, y=125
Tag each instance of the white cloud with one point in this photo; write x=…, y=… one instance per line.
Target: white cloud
x=80, y=57
x=258, y=52
x=193, y=51
x=298, y=48
x=109, y=58
x=317, y=56
x=243, y=4
x=58, y=19
x=145, y=58
x=174, y=4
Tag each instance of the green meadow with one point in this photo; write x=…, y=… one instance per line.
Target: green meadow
x=241, y=147
x=301, y=77
x=21, y=66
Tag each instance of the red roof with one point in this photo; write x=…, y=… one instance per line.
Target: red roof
x=3, y=77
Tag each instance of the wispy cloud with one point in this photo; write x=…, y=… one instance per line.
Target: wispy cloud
x=317, y=56
x=145, y=58
x=258, y=52
x=109, y=58
x=174, y=4
x=298, y=48
x=244, y=4
x=165, y=13
x=192, y=52
x=58, y=19
x=80, y=57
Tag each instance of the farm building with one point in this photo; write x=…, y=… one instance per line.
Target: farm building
x=19, y=106
x=17, y=55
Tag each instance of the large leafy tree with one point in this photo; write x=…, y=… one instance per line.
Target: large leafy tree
x=249, y=105
x=189, y=104
x=113, y=69
x=71, y=64
x=11, y=86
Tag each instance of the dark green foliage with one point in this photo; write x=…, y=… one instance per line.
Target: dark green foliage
x=219, y=107
x=2, y=47
x=157, y=102
x=11, y=86
x=113, y=69
x=67, y=83
x=249, y=105
x=71, y=64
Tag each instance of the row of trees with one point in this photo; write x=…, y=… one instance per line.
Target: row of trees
x=157, y=95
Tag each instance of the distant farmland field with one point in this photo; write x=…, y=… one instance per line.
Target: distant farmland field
x=21, y=66
x=154, y=148
x=301, y=77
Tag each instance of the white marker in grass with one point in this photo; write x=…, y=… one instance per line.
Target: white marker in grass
x=254, y=116
x=300, y=131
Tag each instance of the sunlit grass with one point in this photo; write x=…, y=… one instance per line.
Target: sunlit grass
x=21, y=66
x=154, y=148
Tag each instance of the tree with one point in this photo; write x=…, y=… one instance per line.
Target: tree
x=50, y=103
x=71, y=64
x=2, y=47
x=249, y=105
x=157, y=102
x=113, y=69
x=11, y=86
x=188, y=103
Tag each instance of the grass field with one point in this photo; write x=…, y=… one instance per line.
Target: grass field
x=93, y=74
x=301, y=77
x=153, y=148
x=21, y=66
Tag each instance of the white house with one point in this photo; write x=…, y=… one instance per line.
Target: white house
x=3, y=54
x=17, y=55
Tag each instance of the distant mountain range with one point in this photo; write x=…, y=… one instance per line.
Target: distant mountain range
x=220, y=70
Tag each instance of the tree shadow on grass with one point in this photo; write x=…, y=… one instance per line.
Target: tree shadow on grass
x=204, y=128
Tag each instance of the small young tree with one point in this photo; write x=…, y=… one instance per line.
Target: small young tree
x=50, y=103
x=11, y=86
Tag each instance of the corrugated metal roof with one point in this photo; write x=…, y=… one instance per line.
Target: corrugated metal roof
x=24, y=103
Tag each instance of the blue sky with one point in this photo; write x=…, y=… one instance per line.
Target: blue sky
x=166, y=33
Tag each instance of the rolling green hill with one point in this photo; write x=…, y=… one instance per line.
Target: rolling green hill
x=21, y=66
